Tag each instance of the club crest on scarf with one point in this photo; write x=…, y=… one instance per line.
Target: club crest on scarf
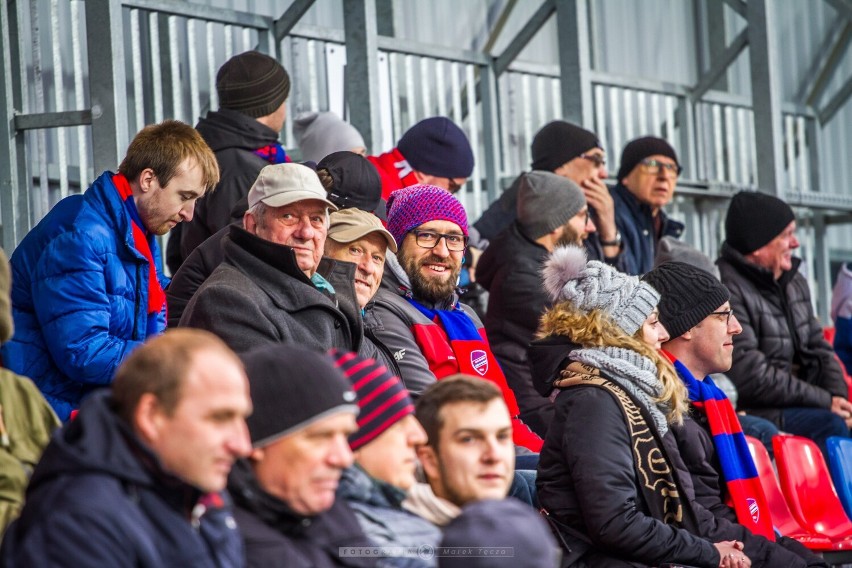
x=479, y=361
x=754, y=509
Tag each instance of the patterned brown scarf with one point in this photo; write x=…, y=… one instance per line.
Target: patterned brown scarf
x=658, y=479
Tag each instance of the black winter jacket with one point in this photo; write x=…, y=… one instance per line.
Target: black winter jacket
x=587, y=481
x=781, y=359
x=99, y=497
x=233, y=137
x=259, y=295
x=510, y=269
x=275, y=536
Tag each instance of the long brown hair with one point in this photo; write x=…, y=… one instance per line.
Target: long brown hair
x=596, y=329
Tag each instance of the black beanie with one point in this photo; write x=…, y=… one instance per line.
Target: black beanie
x=356, y=180
x=639, y=149
x=754, y=219
x=558, y=142
x=292, y=387
x=436, y=146
x=688, y=294
x=253, y=83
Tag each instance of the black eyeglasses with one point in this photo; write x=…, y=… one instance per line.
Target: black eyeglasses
x=597, y=159
x=453, y=186
x=726, y=313
x=430, y=239
x=653, y=167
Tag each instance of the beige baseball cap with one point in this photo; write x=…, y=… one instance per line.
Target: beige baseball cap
x=351, y=224
x=282, y=184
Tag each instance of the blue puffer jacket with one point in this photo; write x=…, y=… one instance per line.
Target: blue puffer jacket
x=636, y=225
x=79, y=296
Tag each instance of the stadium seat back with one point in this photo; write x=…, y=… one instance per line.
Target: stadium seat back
x=840, y=466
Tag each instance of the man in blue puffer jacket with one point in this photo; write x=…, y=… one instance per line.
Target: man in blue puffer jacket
x=88, y=286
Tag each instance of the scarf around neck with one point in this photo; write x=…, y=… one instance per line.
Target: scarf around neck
x=145, y=243
x=738, y=469
x=454, y=345
x=273, y=153
x=631, y=371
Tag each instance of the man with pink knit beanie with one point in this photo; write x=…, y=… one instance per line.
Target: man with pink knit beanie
x=419, y=318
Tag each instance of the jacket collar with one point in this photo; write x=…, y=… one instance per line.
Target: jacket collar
x=639, y=210
x=279, y=257
x=760, y=276
x=249, y=495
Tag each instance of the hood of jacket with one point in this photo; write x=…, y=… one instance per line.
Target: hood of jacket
x=98, y=441
x=226, y=128
x=357, y=485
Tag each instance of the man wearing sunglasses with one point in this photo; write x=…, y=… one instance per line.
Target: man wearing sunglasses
x=419, y=318
x=646, y=183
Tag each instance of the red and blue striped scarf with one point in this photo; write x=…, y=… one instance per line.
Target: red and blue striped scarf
x=273, y=153
x=144, y=242
x=738, y=470
x=454, y=345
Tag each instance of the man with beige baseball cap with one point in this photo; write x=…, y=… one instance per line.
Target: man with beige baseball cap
x=267, y=288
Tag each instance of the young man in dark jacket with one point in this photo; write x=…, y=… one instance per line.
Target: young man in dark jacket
x=252, y=88
x=695, y=309
x=136, y=479
x=783, y=368
x=552, y=211
x=284, y=492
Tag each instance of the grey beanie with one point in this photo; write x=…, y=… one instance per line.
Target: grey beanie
x=595, y=285
x=670, y=248
x=319, y=134
x=547, y=201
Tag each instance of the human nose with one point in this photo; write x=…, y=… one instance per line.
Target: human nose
x=734, y=327
x=367, y=266
x=187, y=211
x=602, y=171
x=339, y=454
x=304, y=230
x=441, y=249
x=416, y=433
x=794, y=242
x=590, y=225
x=239, y=442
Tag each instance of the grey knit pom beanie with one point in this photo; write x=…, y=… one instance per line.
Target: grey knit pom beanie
x=590, y=285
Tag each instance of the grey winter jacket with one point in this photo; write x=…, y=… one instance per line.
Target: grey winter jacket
x=781, y=359
x=378, y=506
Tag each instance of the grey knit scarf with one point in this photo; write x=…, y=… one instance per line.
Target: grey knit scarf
x=633, y=372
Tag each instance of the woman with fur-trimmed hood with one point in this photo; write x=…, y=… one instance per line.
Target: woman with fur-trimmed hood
x=609, y=473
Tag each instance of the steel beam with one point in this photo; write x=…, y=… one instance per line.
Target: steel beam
x=523, y=37
x=200, y=11
x=52, y=119
x=362, y=68
x=572, y=31
x=836, y=103
x=811, y=79
x=290, y=18
x=384, y=18
x=766, y=95
x=737, y=6
x=107, y=83
x=14, y=178
x=842, y=7
x=490, y=129
x=720, y=65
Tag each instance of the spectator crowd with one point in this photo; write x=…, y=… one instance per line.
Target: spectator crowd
x=310, y=388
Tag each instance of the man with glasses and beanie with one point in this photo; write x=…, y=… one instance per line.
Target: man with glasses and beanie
x=646, y=183
x=552, y=212
x=696, y=311
x=783, y=368
x=421, y=321
x=576, y=154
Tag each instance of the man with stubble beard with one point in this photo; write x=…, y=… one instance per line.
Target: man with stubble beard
x=419, y=317
x=551, y=212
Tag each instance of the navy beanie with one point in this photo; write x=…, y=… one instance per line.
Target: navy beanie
x=559, y=142
x=754, y=219
x=437, y=147
x=639, y=149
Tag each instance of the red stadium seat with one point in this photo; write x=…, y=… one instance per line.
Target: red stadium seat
x=807, y=486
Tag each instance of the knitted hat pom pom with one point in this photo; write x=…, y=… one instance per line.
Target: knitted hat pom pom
x=565, y=264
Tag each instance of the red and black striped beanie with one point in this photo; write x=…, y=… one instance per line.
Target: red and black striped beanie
x=382, y=398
